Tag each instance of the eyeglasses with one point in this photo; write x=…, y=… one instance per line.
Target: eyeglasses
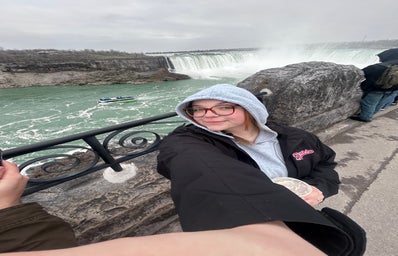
x=220, y=110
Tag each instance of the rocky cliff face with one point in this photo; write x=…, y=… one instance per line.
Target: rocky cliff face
x=49, y=67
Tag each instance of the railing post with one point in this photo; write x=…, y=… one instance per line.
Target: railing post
x=103, y=153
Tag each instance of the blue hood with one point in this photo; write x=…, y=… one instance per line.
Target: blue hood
x=228, y=93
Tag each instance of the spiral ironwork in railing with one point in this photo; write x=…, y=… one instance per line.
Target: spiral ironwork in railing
x=52, y=162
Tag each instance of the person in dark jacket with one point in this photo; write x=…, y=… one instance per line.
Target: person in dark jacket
x=222, y=164
x=374, y=97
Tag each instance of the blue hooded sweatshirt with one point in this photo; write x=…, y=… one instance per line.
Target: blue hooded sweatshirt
x=265, y=150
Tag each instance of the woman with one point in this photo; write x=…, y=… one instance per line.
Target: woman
x=222, y=163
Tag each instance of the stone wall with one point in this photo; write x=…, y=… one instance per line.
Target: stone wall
x=106, y=205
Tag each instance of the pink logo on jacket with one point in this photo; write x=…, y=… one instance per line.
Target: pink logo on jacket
x=300, y=155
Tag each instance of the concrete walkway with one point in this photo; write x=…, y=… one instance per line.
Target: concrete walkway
x=367, y=156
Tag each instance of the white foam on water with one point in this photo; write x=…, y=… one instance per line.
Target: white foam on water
x=29, y=133
x=63, y=131
x=128, y=172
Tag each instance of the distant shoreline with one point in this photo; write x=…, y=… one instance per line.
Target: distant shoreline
x=26, y=68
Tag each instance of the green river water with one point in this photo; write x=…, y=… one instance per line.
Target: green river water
x=35, y=114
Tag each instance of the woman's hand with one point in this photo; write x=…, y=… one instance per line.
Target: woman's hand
x=315, y=197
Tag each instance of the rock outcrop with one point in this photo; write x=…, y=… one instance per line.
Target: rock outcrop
x=49, y=67
x=309, y=95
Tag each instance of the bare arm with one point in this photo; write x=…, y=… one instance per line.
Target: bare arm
x=272, y=238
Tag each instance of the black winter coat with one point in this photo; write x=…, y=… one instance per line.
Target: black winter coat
x=216, y=185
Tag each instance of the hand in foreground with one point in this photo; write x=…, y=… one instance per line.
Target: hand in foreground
x=315, y=197
x=12, y=185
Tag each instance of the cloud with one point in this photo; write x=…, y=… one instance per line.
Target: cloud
x=158, y=25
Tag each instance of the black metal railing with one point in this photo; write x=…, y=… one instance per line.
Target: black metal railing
x=49, y=163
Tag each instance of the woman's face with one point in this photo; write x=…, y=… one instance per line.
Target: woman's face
x=232, y=123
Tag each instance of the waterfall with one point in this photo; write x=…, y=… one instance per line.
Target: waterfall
x=170, y=65
x=214, y=64
x=240, y=63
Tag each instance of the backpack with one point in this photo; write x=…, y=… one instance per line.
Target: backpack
x=389, y=78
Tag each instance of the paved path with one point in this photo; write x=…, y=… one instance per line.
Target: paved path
x=367, y=154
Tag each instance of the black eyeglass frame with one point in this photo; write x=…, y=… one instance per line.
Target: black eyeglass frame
x=191, y=114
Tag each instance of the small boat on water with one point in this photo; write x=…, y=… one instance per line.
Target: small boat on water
x=116, y=99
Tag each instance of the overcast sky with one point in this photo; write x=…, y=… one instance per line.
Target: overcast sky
x=173, y=25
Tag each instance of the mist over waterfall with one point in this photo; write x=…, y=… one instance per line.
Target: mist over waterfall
x=240, y=63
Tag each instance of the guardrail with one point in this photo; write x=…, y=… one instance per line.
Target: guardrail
x=56, y=161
